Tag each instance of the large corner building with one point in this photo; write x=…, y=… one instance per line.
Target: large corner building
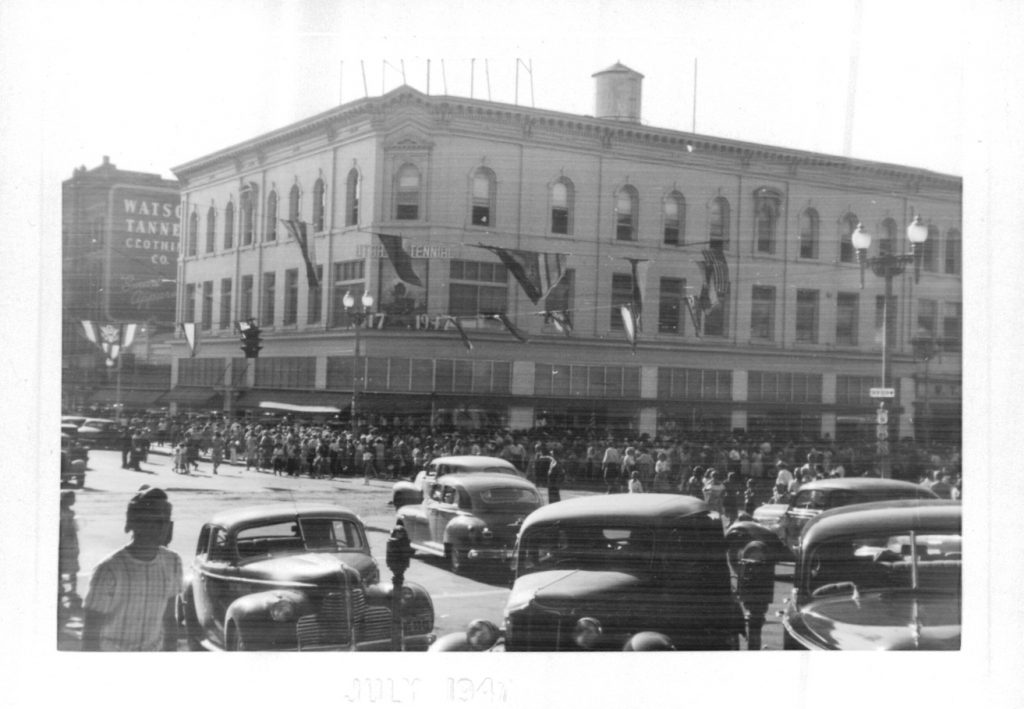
x=793, y=347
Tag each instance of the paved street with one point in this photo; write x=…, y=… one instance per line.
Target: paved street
x=100, y=509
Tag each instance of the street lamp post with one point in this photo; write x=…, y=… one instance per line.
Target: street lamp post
x=888, y=266
x=358, y=317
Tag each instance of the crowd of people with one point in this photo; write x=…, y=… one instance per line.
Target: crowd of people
x=733, y=471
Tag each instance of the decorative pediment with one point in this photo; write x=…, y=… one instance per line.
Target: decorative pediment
x=408, y=139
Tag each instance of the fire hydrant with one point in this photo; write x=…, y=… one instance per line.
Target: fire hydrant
x=398, y=557
x=755, y=585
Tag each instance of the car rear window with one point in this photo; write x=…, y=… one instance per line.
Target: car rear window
x=505, y=496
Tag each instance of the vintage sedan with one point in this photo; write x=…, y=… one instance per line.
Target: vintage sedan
x=878, y=576
x=100, y=433
x=470, y=518
x=408, y=493
x=779, y=525
x=607, y=572
x=294, y=577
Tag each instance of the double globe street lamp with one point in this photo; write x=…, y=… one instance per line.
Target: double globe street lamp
x=888, y=266
x=357, y=317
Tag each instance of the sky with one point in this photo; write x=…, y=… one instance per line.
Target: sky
x=153, y=89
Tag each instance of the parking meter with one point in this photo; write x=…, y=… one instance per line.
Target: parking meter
x=398, y=557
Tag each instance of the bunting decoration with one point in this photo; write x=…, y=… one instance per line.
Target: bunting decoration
x=560, y=319
x=639, y=273
x=696, y=314
x=503, y=319
x=111, y=338
x=537, y=272
x=191, y=333
x=716, y=271
x=297, y=230
x=399, y=259
x=462, y=333
x=629, y=321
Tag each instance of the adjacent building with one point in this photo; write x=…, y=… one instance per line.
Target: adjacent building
x=120, y=232
x=629, y=212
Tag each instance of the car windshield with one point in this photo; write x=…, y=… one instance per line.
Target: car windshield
x=291, y=537
x=681, y=552
x=911, y=560
x=510, y=499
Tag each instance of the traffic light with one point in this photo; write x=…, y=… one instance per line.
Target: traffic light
x=250, y=339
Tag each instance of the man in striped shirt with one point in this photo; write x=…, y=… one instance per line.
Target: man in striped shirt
x=130, y=603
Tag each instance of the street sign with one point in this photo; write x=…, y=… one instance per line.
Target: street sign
x=882, y=392
x=881, y=417
x=883, y=447
x=882, y=434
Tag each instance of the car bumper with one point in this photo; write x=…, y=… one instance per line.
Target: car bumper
x=489, y=554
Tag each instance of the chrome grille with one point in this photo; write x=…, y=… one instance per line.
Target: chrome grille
x=375, y=624
x=329, y=626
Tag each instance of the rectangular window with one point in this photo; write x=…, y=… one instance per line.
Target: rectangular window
x=762, y=313
x=315, y=300
x=479, y=295
x=847, y=307
x=670, y=305
x=348, y=278
x=559, y=220
x=951, y=325
x=715, y=321
x=953, y=253
x=225, y=303
x=422, y=375
x=856, y=391
x=286, y=372
x=784, y=386
x=622, y=293
x=291, y=296
x=482, y=188
x=927, y=317
x=267, y=299
x=201, y=371
x=807, y=316
x=246, y=296
x=207, y=319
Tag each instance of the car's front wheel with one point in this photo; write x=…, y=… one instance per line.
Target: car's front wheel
x=187, y=617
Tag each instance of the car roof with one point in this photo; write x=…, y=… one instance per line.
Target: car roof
x=472, y=461
x=861, y=484
x=278, y=512
x=97, y=420
x=652, y=509
x=483, y=481
x=881, y=517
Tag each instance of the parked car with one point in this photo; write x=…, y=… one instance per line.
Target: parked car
x=606, y=571
x=100, y=433
x=878, y=576
x=72, y=469
x=287, y=577
x=72, y=420
x=470, y=518
x=409, y=493
x=779, y=525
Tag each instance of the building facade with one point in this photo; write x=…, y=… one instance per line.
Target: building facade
x=120, y=232
x=627, y=210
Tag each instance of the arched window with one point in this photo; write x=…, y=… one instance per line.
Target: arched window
x=353, y=186
x=887, y=238
x=674, y=229
x=193, y=233
x=766, y=217
x=211, y=229
x=248, y=201
x=483, y=197
x=847, y=225
x=407, y=192
x=718, y=224
x=627, y=203
x=293, y=203
x=809, y=233
x=271, y=232
x=318, y=205
x=562, y=198
x=229, y=225
x=953, y=258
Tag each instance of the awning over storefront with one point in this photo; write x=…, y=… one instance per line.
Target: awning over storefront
x=193, y=397
x=130, y=398
x=254, y=398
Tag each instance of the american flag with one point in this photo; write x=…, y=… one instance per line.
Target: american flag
x=537, y=272
x=297, y=230
x=716, y=270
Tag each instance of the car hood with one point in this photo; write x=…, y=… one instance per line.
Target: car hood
x=566, y=587
x=308, y=568
x=880, y=621
x=770, y=512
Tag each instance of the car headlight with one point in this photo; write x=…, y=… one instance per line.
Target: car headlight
x=587, y=632
x=482, y=634
x=282, y=610
x=408, y=595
